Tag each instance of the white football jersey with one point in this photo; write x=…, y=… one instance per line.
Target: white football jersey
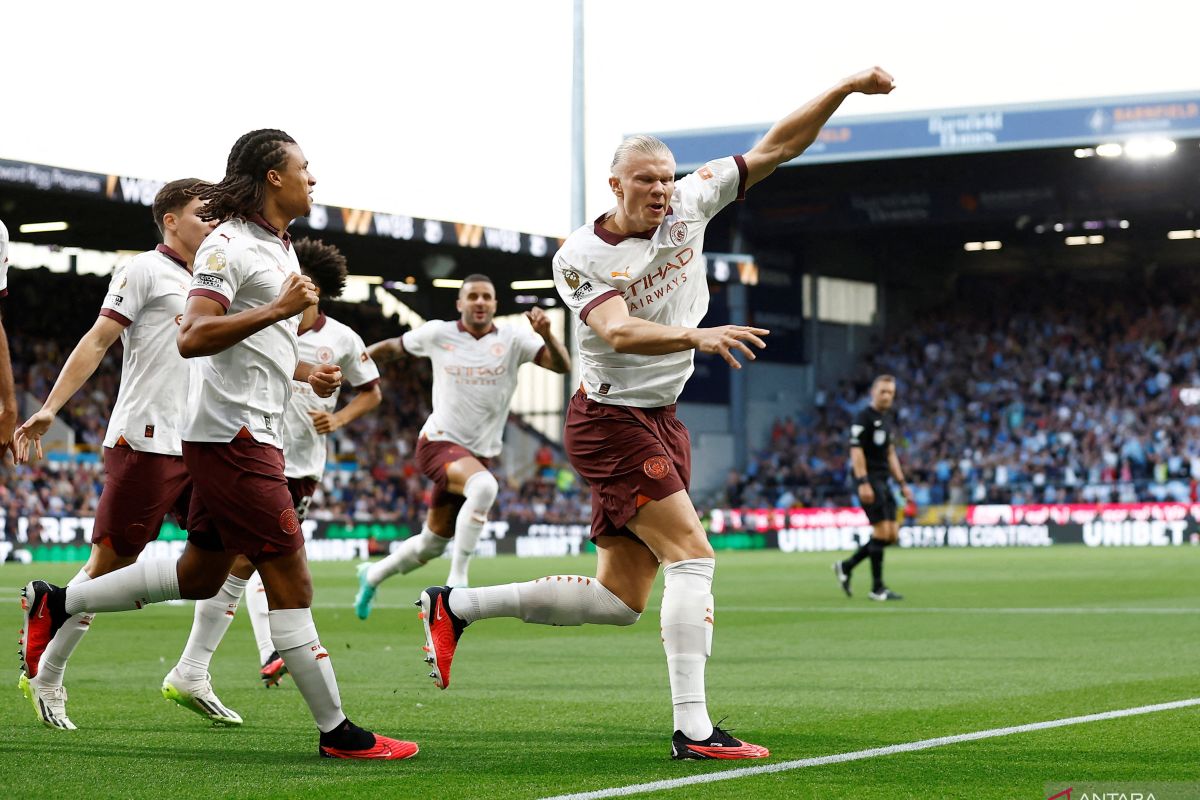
x=147, y=297
x=473, y=380
x=661, y=276
x=242, y=265
x=326, y=342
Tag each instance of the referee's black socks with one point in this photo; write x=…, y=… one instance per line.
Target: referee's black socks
x=863, y=551
x=874, y=550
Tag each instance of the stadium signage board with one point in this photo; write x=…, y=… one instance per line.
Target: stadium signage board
x=790, y=531
x=1109, y=525
x=964, y=130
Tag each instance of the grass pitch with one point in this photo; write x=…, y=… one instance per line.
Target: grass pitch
x=984, y=639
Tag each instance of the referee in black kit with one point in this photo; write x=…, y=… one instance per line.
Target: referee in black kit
x=872, y=458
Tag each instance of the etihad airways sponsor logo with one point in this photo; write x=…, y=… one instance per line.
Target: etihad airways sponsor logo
x=658, y=283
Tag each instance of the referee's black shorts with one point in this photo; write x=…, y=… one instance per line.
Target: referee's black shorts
x=884, y=507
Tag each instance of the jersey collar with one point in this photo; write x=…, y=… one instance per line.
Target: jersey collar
x=318, y=323
x=261, y=221
x=465, y=329
x=608, y=237
x=171, y=254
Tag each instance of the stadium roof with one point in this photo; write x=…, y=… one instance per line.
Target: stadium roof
x=141, y=191
x=963, y=130
x=112, y=213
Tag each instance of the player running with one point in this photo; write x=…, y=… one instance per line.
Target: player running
x=145, y=477
x=475, y=366
x=239, y=328
x=637, y=281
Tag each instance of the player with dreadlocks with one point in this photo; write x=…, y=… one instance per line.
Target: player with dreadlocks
x=239, y=329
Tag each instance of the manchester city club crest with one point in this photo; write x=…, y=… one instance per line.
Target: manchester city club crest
x=678, y=233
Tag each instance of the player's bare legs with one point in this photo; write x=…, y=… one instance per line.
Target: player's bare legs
x=627, y=568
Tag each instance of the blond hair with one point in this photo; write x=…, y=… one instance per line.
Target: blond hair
x=642, y=143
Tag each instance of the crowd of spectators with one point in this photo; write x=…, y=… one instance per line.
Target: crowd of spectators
x=1014, y=393
x=1006, y=395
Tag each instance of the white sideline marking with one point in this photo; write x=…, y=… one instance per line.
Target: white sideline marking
x=858, y=755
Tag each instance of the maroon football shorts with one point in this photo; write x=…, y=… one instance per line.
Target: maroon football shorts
x=139, y=490
x=239, y=494
x=629, y=456
x=433, y=458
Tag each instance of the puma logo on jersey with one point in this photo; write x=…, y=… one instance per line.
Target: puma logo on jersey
x=622, y=274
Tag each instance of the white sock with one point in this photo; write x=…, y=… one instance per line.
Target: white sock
x=256, y=608
x=556, y=600
x=295, y=637
x=413, y=552
x=480, y=492
x=141, y=583
x=211, y=620
x=687, y=627
x=54, y=659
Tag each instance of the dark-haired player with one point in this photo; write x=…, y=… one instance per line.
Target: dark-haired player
x=310, y=418
x=475, y=366
x=145, y=477
x=239, y=330
x=872, y=459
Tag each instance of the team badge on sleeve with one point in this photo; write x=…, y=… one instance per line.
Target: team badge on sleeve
x=216, y=261
x=571, y=277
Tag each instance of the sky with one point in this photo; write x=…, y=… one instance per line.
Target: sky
x=460, y=110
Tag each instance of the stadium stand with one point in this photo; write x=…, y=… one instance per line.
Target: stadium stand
x=1017, y=391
